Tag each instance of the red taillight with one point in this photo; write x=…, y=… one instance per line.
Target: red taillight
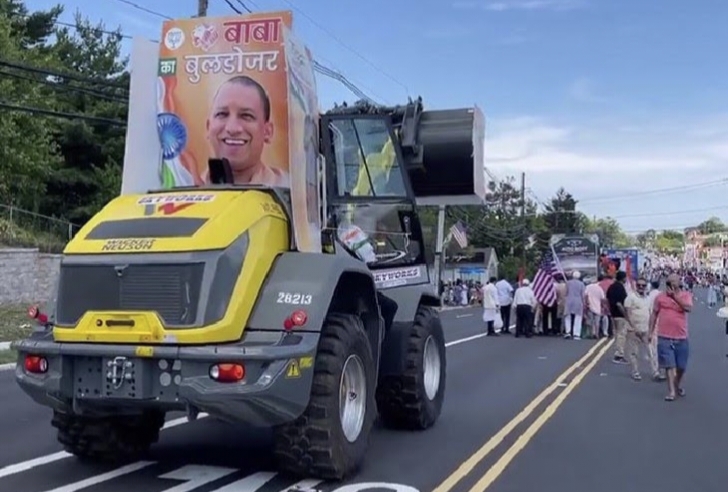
x=296, y=319
x=227, y=373
x=36, y=364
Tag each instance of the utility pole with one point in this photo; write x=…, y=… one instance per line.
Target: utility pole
x=523, y=221
x=202, y=8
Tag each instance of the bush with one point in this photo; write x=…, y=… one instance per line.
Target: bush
x=13, y=236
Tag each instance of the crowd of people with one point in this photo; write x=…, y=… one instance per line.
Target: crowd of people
x=647, y=324
x=461, y=292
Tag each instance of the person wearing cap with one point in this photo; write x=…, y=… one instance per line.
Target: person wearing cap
x=669, y=323
x=525, y=301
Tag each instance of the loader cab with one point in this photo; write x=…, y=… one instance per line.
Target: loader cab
x=368, y=186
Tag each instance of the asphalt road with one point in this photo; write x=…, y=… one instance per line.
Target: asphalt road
x=510, y=423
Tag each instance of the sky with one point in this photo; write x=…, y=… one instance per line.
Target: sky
x=614, y=100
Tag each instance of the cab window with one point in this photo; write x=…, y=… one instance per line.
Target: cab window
x=365, y=158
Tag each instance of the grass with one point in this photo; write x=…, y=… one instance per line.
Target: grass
x=14, y=325
x=7, y=356
x=14, y=236
x=14, y=322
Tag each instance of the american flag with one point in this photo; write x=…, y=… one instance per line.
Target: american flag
x=543, y=282
x=458, y=233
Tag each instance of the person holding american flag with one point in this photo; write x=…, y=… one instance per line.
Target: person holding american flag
x=544, y=289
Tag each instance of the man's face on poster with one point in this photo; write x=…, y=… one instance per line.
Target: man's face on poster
x=237, y=128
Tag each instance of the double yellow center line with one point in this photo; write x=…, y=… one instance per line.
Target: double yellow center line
x=499, y=467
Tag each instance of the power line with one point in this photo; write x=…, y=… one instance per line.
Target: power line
x=318, y=67
x=245, y=7
x=677, y=212
x=347, y=47
x=94, y=29
x=673, y=189
x=53, y=73
x=65, y=87
x=328, y=72
x=235, y=9
x=61, y=115
x=144, y=9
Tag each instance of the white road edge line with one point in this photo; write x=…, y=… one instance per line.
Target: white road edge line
x=50, y=458
x=104, y=477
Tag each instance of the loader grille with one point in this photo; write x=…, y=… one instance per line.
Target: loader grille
x=172, y=290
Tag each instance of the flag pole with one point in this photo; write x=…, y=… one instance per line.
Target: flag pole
x=557, y=262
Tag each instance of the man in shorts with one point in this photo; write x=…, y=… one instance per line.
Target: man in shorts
x=669, y=322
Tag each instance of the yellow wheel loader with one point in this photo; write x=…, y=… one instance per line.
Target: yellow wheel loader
x=197, y=300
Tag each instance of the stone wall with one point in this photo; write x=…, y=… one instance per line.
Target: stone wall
x=27, y=276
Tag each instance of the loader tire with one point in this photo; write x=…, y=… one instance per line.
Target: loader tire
x=107, y=439
x=413, y=400
x=315, y=444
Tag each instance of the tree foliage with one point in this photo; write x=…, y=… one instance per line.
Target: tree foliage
x=711, y=226
x=62, y=167
x=609, y=231
x=560, y=214
x=670, y=241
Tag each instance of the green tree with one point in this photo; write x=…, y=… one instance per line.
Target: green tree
x=713, y=242
x=646, y=239
x=27, y=149
x=670, y=241
x=30, y=30
x=495, y=224
x=560, y=214
x=609, y=231
x=501, y=226
x=711, y=226
x=92, y=152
